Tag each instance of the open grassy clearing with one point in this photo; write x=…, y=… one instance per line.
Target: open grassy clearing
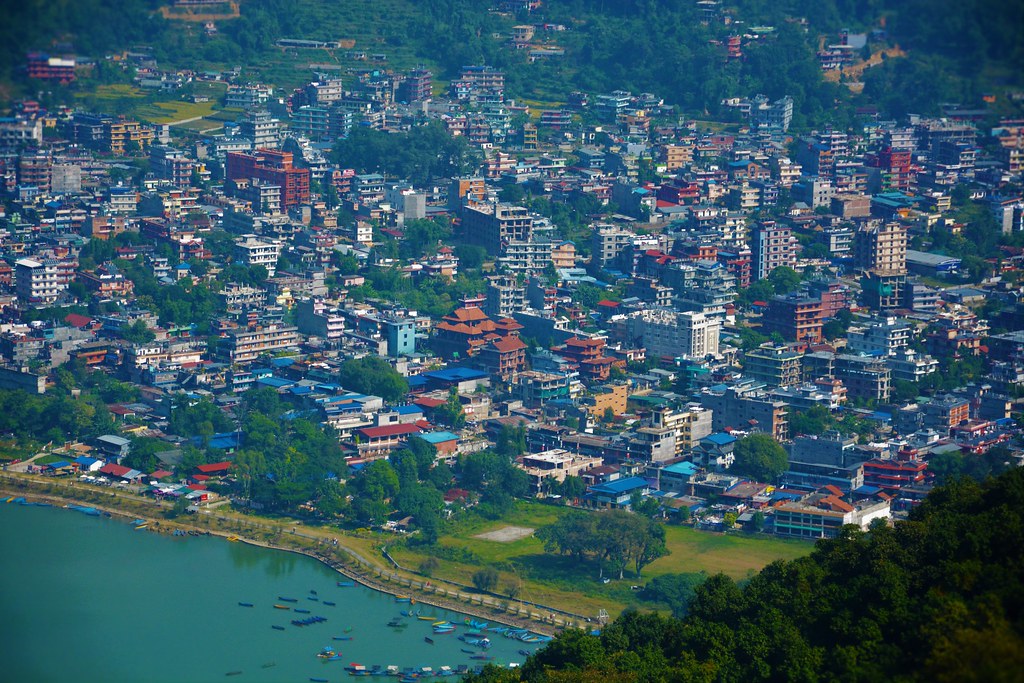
x=175, y=110
x=575, y=586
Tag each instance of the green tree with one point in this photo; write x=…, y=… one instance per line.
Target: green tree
x=374, y=376
x=760, y=457
x=486, y=579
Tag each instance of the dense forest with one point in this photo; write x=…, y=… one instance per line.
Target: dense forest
x=939, y=597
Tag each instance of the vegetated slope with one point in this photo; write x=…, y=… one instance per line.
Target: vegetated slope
x=665, y=47
x=937, y=598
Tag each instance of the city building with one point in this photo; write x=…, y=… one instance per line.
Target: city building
x=670, y=334
x=772, y=246
x=775, y=365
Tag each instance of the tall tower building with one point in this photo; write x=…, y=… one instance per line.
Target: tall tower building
x=772, y=246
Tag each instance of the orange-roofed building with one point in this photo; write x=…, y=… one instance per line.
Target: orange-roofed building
x=588, y=355
x=465, y=331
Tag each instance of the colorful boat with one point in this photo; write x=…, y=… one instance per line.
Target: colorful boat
x=281, y=607
x=402, y=598
x=346, y=584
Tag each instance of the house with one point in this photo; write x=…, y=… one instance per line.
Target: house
x=617, y=493
x=113, y=447
x=445, y=443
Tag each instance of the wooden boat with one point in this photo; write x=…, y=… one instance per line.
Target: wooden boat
x=233, y=539
x=425, y=618
x=402, y=598
x=284, y=599
x=277, y=628
x=329, y=604
x=281, y=607
x=428, y=640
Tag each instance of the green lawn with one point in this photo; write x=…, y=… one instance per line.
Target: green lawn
x=175, y=110
x=572, y=585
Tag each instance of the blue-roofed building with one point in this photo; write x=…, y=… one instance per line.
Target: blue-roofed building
x=462, y=378
x=87, y=464
x=676, y=477
x=616, y=493
x=274, y=382
x=445, y=443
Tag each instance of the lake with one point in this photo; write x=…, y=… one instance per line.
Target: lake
x=93, y=599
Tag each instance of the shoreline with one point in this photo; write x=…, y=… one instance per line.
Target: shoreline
x=374, y=578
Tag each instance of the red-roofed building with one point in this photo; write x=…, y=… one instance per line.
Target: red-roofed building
x=588, y=355
x=373, y=443
x=214, y=469
x=504, y=357
x=161, y=474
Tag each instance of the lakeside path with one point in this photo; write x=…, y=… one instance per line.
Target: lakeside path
x=321, y=545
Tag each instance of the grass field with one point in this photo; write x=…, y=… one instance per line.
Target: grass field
x=175, y=110
x=569, y=584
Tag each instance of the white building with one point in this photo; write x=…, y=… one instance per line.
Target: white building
x=253, y=251
x=671, y=334
x=38, y=283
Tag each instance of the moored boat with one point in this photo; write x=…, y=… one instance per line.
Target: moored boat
x=329, y=604
x=284, y=599
x=346, y=584
x=245, y=604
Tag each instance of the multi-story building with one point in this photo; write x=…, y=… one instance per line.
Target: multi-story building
x=823, y=514
x=773, y=246
x=121, y=135
x=262, y=129
x=797, y=317
x=492, y=226
x=775, y=365
x=537, y=388
x=47, y=68
x=248, y=96
x=865, y=377
x=554, y=465
x=608, y=243
x=416, y=86
x=38, y=283
x=315, y=317
x=880, y=251
x=828, y=459
x=690, y=424
x=247, y=344
x=746, y=407
x=911, y=366
x=885, y=337
x=170, y=164
x=588, y=356
x=505, y=296
x=34, y=170
x=274, y=168
x=254, y=251
x=669, y=334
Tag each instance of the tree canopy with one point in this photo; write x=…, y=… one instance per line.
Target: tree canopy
x=760, y=457
x=939, y=597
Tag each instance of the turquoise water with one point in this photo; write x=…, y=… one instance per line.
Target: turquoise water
x=92, y=599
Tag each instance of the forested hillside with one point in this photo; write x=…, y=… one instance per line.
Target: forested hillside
x=956, y=51
x=936, y=598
